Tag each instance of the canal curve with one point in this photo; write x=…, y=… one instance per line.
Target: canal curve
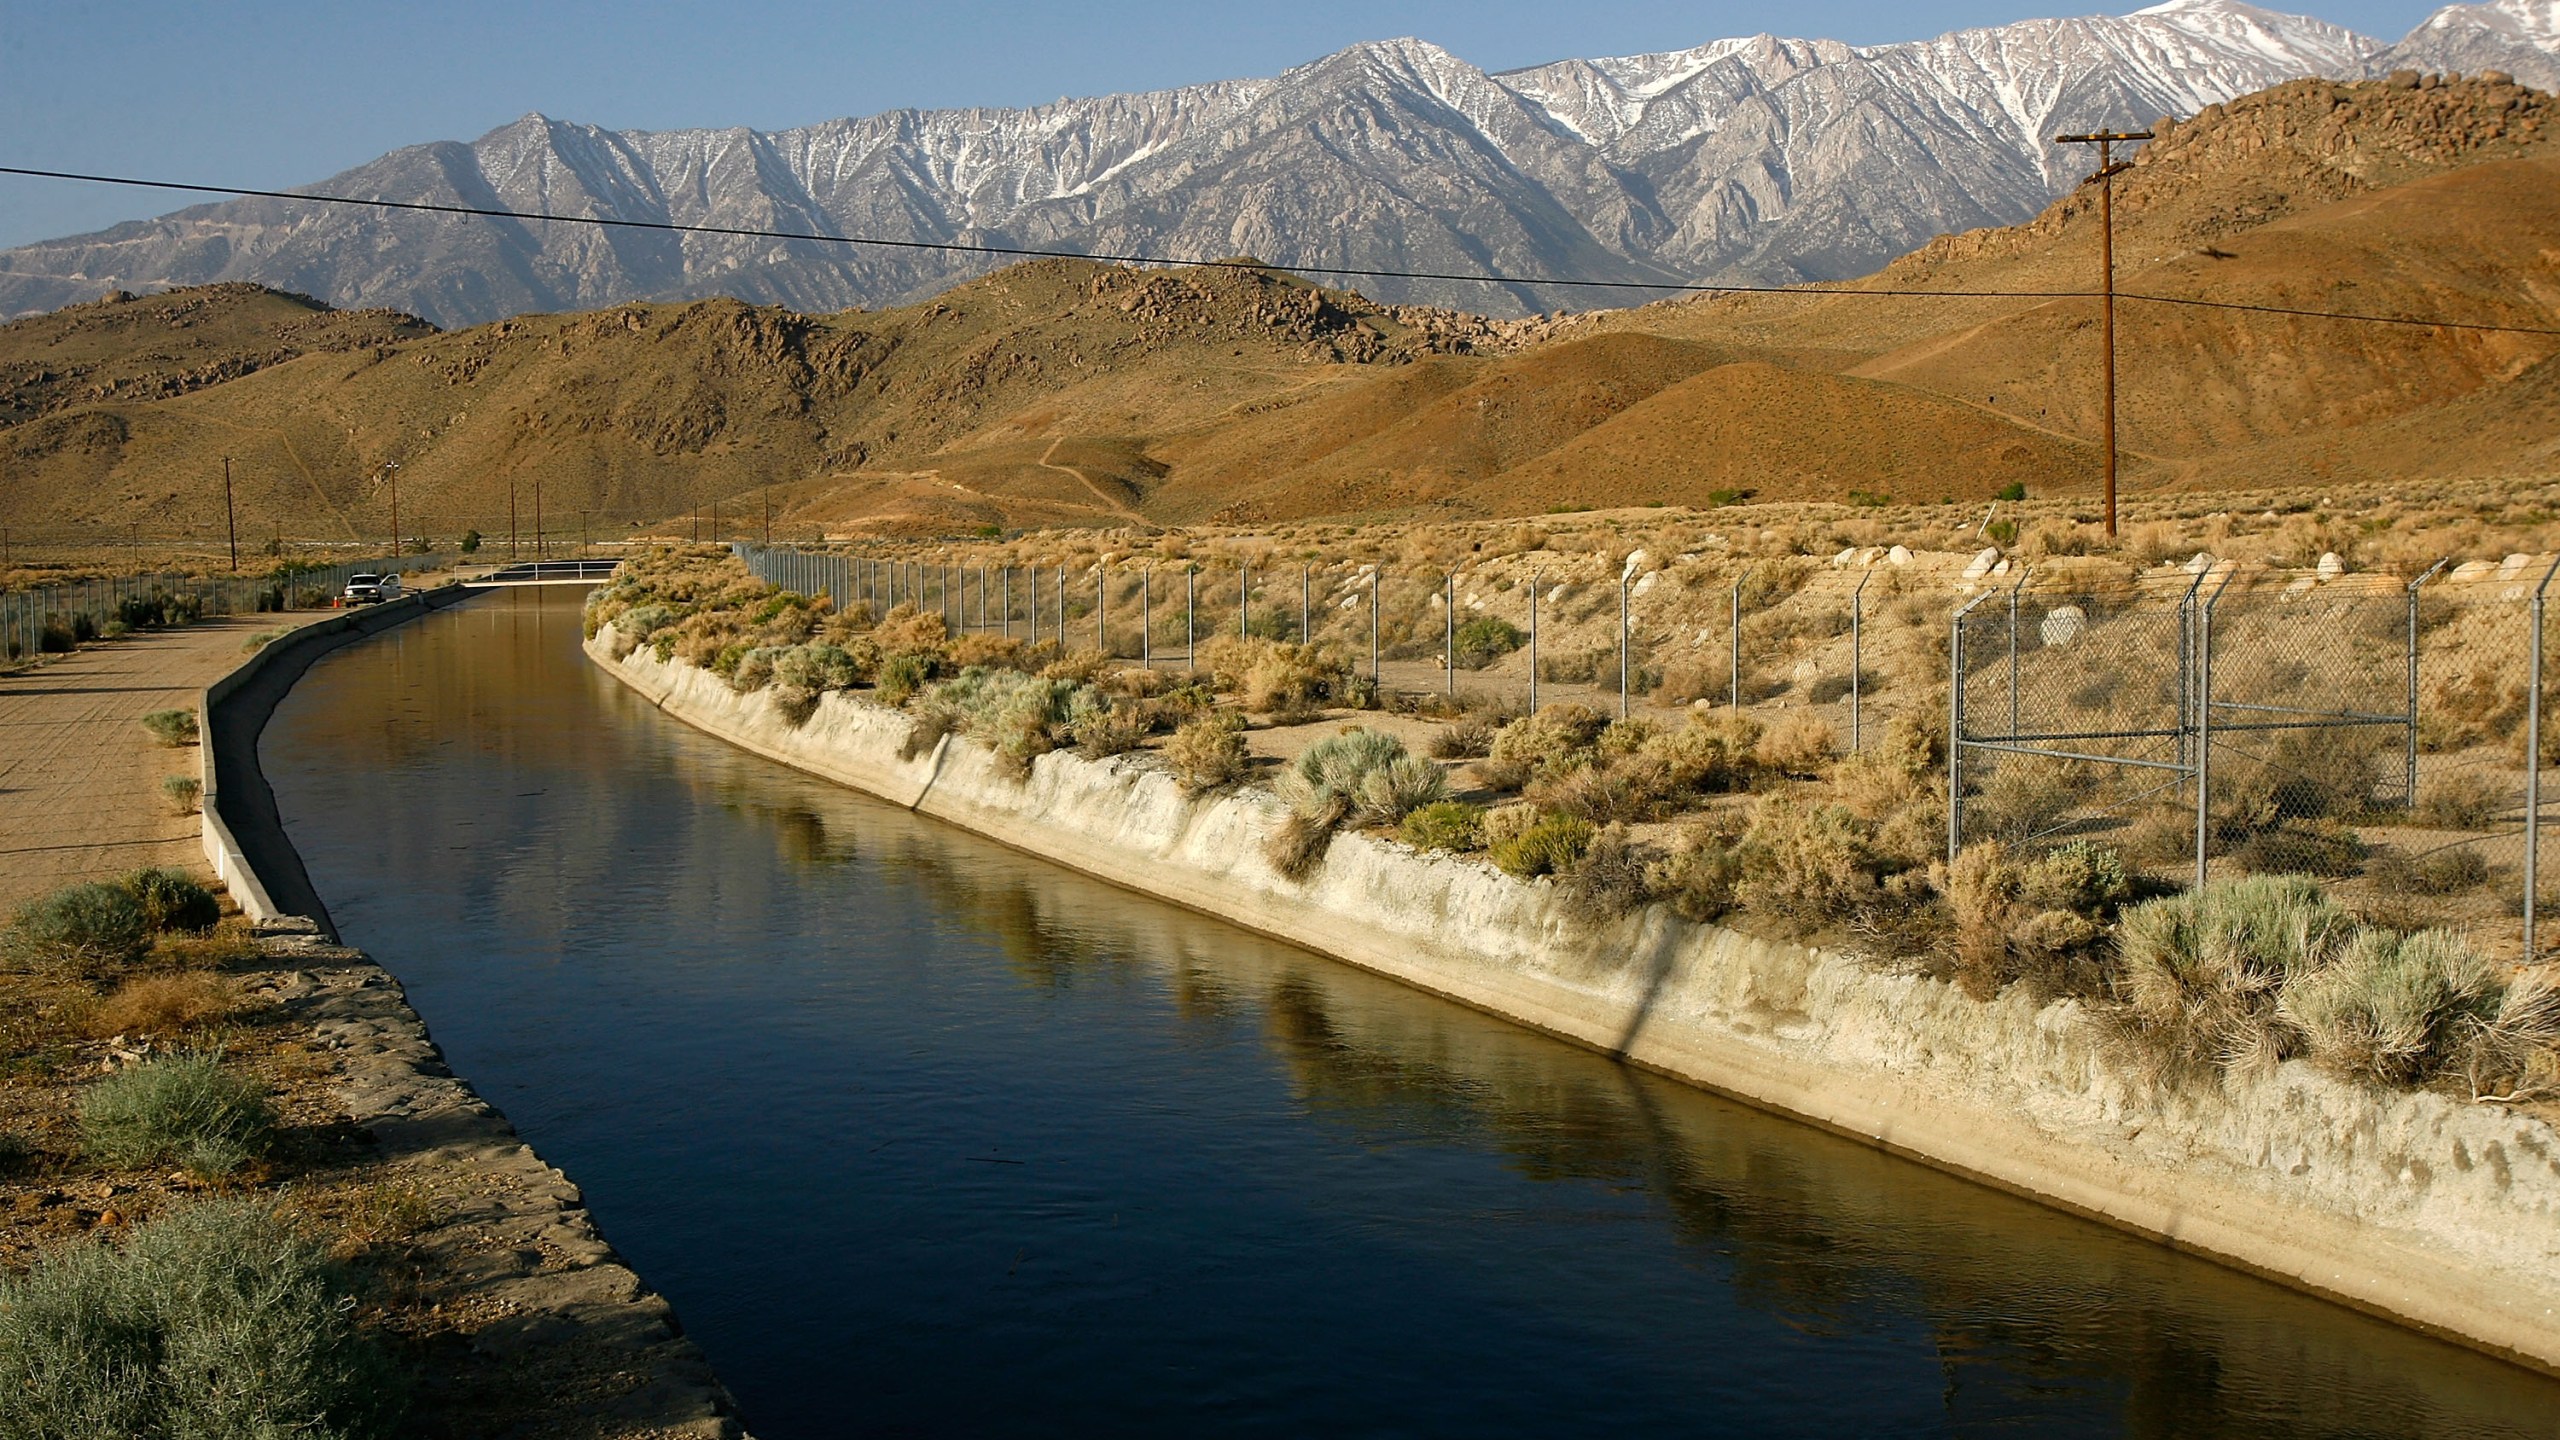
x=921, y=1136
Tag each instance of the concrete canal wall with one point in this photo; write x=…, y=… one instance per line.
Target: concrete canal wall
x=2440, y=1214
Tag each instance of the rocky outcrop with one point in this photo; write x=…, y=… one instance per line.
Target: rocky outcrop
x=2441, y=1214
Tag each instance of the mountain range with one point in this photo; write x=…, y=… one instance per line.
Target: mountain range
x=1756, y=160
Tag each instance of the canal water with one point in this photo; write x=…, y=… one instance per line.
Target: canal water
x=923, y=1137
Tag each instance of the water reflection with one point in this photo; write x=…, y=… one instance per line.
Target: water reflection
x=936, y=1137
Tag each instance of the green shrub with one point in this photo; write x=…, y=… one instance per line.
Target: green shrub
x=1485, y=639
x=185, y=1108
x=1020, y=717
x=901, y=676
x=1363, y=776
x=1445, y=825
x=1556, y=739
x=172, y=901
x=1208, y=753
x=185, y=793
x=215, y=1320
x=79, y=927
x=2200, y=973
x=1550, y=844
x=171, y=727
x=2391, y=1008
x=1699, y=874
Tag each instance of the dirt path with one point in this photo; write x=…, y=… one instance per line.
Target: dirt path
x=80, y=778
x=1109, y=501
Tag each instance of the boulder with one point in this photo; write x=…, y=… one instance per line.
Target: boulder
x=2331, y=567
x=2471, y=570
x=2063, y=624
x=2202, y=562
x=2513, y=566
x=1898, y=555
x=1982, y=563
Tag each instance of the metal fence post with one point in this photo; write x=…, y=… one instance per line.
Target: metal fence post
x=1955, y=726
x=1533, y=643
x=1449, y=635
x=1626, y=682
x=1102, y=606
x=1734, y=695
x=1146, y=617
x=2013, y=647
x=2533, y=770
x=1306, y=634
x=1190, y=613
x=1062, y=606
x=2412, y=792
x=1377, y=671
x=2204, y=722
x=1244, y=599
x=1857, y=657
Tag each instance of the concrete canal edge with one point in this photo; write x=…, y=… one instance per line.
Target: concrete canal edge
x=523, y=1243
x=2436, y=1214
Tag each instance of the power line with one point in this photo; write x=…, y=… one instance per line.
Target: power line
x=1036, y=253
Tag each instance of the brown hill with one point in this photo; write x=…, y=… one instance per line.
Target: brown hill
x=1071, y=393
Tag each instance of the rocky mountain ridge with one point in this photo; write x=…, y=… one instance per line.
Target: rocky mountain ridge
x=1756, y=159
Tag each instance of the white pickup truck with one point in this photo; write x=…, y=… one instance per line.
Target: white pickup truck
x=370, y=589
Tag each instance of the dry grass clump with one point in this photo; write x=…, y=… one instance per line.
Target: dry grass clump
x=100, y=925
x=1528, y=843
x=184, y=793
x=1800, y=745
x=1290, y=683
x=1112, y=731
x=161, y=1005
x=1208, y=752
x=1469, y=739
x=1611, y=877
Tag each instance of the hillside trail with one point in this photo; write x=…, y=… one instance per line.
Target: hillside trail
x=79, y=776
x=1110, y=502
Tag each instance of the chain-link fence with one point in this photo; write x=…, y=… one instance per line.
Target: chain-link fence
x=2372, y=732
x=52, y=618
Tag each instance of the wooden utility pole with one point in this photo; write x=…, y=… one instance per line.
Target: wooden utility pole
x=2104, y=179
x=230, y=519
x=391, y=472
x=768, y=519
x=511, y=517
x=537, y=517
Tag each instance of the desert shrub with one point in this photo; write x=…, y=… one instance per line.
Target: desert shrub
x=1556, y=739
x=1465, y=741
x=1450, y=825
x=1208, y=753
x=1079, y=667
x=2437, y=872
x=979, y=648
x=2022, y=801
x=185, y=793
x=184, y=1107
x=1113, y=731
x=1360, y=776
x=78, y=927
x=901, y=676
x=160, y=1005
x=2316, y=847
x=171, y=727
x=172, y=901
x=2199, y=974
x=1020, y=717
x=1698, y=874
x=1807, y=864
x=2303, y=775
x=215, y=1320
x=2391, y=1008
x=1547, y=845
x=2463, y=800
x=2515, y=1054
x=906, y=630
x=1612, y=877
x=750, y=668
x=1800, y=745
x=1485, y=639
x=2039, y=920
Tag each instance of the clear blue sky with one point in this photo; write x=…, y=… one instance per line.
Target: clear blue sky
x=276, y=94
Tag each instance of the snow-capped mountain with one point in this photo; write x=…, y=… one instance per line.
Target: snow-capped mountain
x=1760, y=158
